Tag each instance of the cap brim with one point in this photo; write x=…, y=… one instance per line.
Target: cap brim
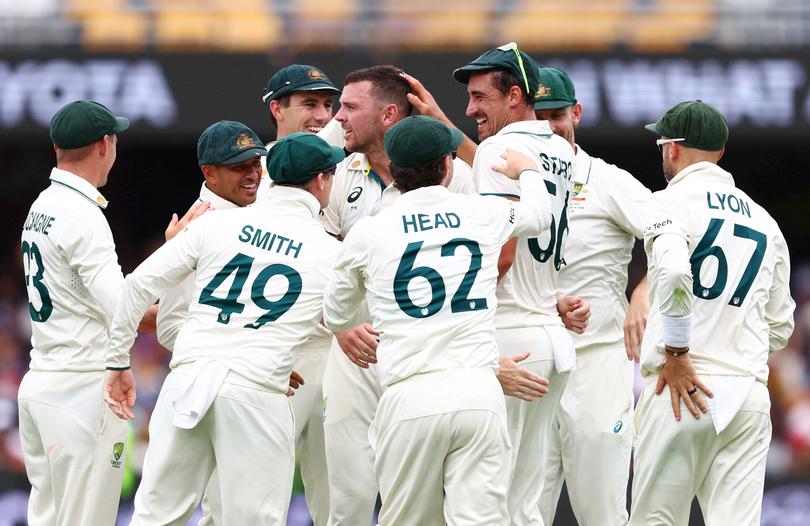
x=317, y=85
x=653, y=127
x=463, y=74
x=121, y=124
x=552, y=104
x=250, y=153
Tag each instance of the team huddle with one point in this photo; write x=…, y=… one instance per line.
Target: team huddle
x=438, y=322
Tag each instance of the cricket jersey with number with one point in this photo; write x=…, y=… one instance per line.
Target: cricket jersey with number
x=71, y=274
x=427, y=265
x=607, y=211
x=260, y=276
x=526, y=294
x=357, y=192
x=738, y=294
x=174, y=304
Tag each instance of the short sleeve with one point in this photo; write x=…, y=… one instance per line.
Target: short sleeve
x=487, y=180
x=628, y=202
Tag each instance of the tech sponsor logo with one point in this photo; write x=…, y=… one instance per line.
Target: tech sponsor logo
x=35, y=89
x=118, y=452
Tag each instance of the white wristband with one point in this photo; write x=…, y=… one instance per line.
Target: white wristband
x=676, y=330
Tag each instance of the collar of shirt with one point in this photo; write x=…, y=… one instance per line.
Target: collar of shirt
x=358, y=162
x=706, y=169
x=582, y=166
x=541, y=128
x=74, y=182
x=219, y=203
x=424, y=194
x=292, y=199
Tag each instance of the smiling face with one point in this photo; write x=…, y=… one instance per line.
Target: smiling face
x=302, y=111
x=237, y=183
x=361, y=117
x=487, y=105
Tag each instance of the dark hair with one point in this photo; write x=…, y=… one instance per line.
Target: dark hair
x=387, y=85
x=408, y=178
x=504, y=79
x=285, y=102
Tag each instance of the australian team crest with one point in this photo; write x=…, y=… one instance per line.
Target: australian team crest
x=118, y=451
x=542, y=91
x=245, y=141
x=316, y=74
x=577, y=188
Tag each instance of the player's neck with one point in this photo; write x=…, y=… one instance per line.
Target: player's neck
x=84, y=170
x=379, y=163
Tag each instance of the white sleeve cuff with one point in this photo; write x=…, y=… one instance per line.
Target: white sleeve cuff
x=676, y=330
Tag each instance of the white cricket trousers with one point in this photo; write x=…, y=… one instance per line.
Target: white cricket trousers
x=307, y=406
x=529, y=423
x=247, y=434
x=591, y=440
x=438, y=466
x=674, y=461
x=72, y=447
x=351, y=396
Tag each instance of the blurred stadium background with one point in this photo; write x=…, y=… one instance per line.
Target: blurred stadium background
x=175, y=66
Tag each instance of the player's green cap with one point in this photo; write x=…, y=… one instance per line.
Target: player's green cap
x=297, y=158
x=507, y=57
x=702, y=126
x=419, y=139
x=555, y=90
x=228, y=142
x=84, y=122
x=296, y=77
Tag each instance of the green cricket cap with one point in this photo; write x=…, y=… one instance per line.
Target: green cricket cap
x=507, y=57
x=702, y=125
x=228, y=142
x=419, y=139
x=296, y=77
x=555, y=90
x=297, y=158
x=84, y=122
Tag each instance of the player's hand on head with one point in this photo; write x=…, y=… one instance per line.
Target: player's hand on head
x=516, y=162
x=574, y=312
x=119, y=393
x=359, y=344
x=518, y=381
x=176, y=225
x=423, y=101
x=684, y=384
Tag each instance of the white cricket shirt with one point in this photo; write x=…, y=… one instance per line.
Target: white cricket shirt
x=606, y=212
x=71, y=274
x=427, y=265
x=173, y=307
x=735, y=282
x=526, y=294
x=260, y=276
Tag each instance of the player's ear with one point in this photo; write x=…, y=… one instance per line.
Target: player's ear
x=577, y=109
x=515, y=96
x=390, y=115
x=275, y=109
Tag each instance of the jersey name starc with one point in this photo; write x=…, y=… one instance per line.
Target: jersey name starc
x=71, y=274
x=526, y=295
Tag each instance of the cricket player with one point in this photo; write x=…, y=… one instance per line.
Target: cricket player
x=502, y=84
x=372, y=101
x=428, y=265
x=72, y=445
x=299, y=98
x=260, y=276
x=719, y=271
x=591, y=437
